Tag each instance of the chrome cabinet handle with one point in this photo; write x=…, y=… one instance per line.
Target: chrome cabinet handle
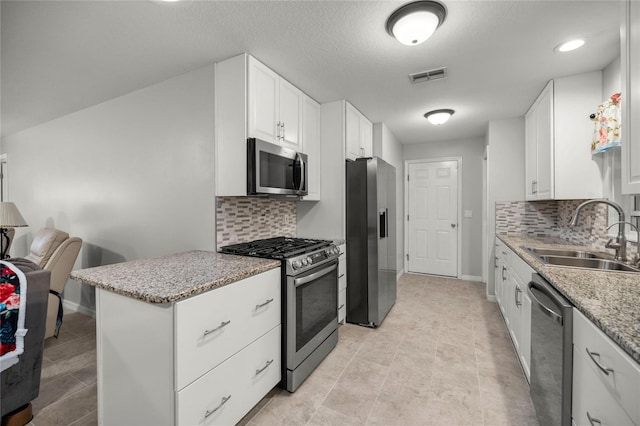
x=224, y=401
x=495, y=262
x=534, y=186
x=592, y=420
x=605, y=370
x=264, y=304
x=222, y=325
x=279, y=131
x=516, y=292
x=503, y=271
x=284, y=132
x=258, y=371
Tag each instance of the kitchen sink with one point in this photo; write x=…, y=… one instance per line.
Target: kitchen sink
x=563, y=252
x=585, y=262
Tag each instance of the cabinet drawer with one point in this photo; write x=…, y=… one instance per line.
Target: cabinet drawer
x=342, y=265
x=240, y=382
x=342, y=305
x=213, y=326
x=592, y=399
x=342, y=283
x=521, y=268
x=623, y=383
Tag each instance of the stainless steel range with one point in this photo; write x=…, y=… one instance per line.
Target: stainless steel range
x=310, y=289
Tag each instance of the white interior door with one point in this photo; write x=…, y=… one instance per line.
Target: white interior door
x=433, y=218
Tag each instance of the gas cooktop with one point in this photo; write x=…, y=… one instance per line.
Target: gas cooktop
x=275, y=248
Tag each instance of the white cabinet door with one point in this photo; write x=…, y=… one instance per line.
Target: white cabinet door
x=366, y=137
x=352, y=130
x=263, y=102
x=311, y=138
x=630, y=73
x=290, y=117
x=544, y=144
x=531, y=155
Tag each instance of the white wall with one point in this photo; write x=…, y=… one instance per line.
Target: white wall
x=471, y=151
x=387, y=147
x=132, y=177
x=505, y=176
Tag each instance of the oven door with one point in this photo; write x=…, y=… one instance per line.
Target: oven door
x=312, y=311
x=275, y=170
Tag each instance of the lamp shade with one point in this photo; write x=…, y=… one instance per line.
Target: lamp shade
x=10, y=216
x=415, y=22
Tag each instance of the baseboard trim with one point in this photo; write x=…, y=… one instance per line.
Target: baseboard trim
x=491, y=298
x=75, y=307
x=471, y=278
x=400, y=274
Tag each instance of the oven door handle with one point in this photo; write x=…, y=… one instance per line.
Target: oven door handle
x=300, y=281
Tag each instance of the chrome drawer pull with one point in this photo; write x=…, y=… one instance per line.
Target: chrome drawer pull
x=264, y=368
x=605, y=370
x=593, y=421
x=222, y=325
x=264, y=304
x=224, y=401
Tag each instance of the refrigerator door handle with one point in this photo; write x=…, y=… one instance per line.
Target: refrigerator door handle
x=382, y=223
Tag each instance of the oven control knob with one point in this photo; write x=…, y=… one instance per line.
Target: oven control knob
x=305, y=261
x=296, y=264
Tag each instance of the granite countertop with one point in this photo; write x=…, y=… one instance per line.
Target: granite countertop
x=610, y=299
x=173, y=277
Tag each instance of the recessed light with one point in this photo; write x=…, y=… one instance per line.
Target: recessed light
x=439, y=116
x=415, y=22
x=569, y=45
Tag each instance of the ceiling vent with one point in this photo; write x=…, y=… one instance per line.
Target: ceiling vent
x=420, y=77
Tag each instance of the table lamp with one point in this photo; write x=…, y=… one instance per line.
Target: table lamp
x=10, y=217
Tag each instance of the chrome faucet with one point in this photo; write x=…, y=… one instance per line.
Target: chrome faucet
x=620, y=246
x=636, y=257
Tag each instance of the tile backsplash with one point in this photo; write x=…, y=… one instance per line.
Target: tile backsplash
x=242, y=219
x=551, y=218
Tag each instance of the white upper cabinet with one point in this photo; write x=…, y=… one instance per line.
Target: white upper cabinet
x=558, y=133
x=275, y=107
x=252, y=101
x=311, y=137
x=358, y=134
x=630, y=73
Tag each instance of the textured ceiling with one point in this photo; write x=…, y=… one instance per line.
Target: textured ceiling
x=61, y=56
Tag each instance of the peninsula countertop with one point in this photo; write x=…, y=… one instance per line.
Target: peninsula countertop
x=610, y=299
x=173, y=277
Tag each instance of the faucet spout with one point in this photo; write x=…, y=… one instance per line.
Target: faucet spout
x=621, y=242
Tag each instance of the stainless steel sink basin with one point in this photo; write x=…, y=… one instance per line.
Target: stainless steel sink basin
x=563, y=252
x=584, y=262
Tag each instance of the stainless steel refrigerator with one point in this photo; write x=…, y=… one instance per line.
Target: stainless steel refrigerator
x=371, y=240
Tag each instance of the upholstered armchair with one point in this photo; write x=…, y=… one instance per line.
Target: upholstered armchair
x=54, y=251
x=20, y=383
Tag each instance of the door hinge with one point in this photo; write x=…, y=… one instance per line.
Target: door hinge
x=407, y=178
x=407, y=218
x=407, y=256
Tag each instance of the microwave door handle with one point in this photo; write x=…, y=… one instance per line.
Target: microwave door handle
x=303, y=166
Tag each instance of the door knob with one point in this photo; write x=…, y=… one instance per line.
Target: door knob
x=453, y=225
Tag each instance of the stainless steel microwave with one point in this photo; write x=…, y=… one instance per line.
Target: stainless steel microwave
x=275, y=170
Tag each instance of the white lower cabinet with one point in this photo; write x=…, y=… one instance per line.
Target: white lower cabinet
x=511, y=279
x=606, y=381
x=178, y=363
x=226, y=393
x=342, y=284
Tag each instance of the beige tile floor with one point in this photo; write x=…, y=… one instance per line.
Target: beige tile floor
x=441, y=357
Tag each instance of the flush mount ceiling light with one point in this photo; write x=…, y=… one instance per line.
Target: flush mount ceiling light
x=439, y=116
x=569, y=45
x=415, y=22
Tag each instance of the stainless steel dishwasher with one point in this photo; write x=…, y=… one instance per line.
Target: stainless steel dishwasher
x=551, y=353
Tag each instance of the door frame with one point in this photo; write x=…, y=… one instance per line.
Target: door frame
x=458, y=160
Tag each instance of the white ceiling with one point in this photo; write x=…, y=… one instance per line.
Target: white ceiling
x=58, y=57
